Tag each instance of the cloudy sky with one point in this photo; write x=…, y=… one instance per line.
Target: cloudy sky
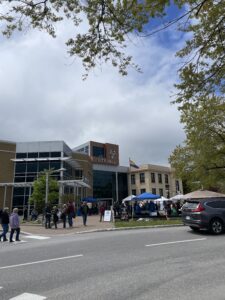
x=43, y=97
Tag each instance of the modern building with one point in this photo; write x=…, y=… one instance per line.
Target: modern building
x=110, y=181
x=30, y=160
x=154, y=179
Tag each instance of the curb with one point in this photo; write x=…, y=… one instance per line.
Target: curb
x=129, y=228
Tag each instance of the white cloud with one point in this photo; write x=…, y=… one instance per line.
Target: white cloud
x=42, y=97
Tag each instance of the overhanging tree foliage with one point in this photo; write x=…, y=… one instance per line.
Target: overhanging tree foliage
x=201, y=161
x=39, y=189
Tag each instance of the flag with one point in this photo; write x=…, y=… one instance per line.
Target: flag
x=132, y=164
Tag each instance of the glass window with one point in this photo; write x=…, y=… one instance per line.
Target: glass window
x=55, y=165
x=18, y=191
x=21, y=155
x=44, y=154
x=166, y=178
x=153, y=177
x=55, y=154
x=43, y=165
x=160, y=178
x=216, y=204
x=143, y=191
x=177, y=186
x=30, y=178
x=132, y=178
x=154, y=191
x=98, y=151
x=133, y=192
x=32, y=155
x=32, y=167
x=78, y=174
x=20, y=167
x=142, y=177
x=161, y=192
x=19, y=179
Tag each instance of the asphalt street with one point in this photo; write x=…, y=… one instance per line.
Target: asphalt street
x=160, y=263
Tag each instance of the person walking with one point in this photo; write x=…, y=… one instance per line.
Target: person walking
x=102, y=211
x=84, y=211
x=71, y=213
x=5, y=224
x=47, y=216
x=15, y=225
x=55, y=212
x=64, y=215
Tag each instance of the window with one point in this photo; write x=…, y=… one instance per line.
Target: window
x=166, y=178
x=133, y=192
x=161, y=192
x=32, y=167
x=177, y=186
x=43, y=166
x=153, y=177
x=160, y=178
x=55, y=154
x=154, y=191
x=142, y=177
x=44, y=154
x=132, y=178
x=217, y=204
x=21, y=155
x=78, y=174
x=143, y=191
x=20, y=167
x=98, y=151
x=55, y=165
x=32, y=155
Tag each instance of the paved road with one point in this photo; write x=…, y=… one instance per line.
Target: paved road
x=166, y=263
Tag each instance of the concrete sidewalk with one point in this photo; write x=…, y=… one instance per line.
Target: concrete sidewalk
x=93, y=224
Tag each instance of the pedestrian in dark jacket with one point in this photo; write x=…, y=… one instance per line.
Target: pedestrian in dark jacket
x=47, y=217
x=71, y=213
x=5, y=224
x=15, y=225
x=64, y=215
x=84, y=211
x=55, y=212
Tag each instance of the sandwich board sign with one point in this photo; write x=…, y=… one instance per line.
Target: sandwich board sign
x=107, y=215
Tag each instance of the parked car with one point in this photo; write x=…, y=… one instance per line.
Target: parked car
x=208, y=213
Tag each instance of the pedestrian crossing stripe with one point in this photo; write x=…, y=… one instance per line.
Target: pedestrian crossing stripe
x=37, y=237
x=28, y=296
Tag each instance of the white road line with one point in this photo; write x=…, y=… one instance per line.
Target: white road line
x=38, y=237
x=28, y=296
x=1, y=287
x=40, y=261
x=176, y=242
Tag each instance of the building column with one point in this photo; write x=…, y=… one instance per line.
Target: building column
x=4, y=201
x=117, y=192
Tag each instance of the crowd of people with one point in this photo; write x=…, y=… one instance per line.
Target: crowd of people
x=9, y=220
x=150, y=208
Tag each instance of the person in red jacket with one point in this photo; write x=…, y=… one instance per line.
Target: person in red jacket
x=102, y=211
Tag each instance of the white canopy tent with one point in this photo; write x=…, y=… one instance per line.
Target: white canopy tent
x=128, y=198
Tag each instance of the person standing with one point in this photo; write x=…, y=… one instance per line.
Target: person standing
x=5, y=224
x=63, y=215
x=47, y=216
x=71, y=213
x=102, y=211
x=15, y=225
x=55, y=216
x=84, y=211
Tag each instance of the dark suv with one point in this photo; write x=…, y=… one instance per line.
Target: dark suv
x=208, y=213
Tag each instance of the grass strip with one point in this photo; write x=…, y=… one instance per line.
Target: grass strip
x=148, y=222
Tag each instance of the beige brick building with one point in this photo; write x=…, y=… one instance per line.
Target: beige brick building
x=154, y=179
x=7, y=152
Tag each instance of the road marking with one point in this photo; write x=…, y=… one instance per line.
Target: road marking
x=38, y=237
x=1, y=287
x=176, y=242
x=41, y=261
x=28, y=296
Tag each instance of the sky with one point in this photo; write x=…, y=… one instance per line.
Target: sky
x=43, y=96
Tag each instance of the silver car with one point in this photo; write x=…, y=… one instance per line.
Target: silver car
x=205, y=214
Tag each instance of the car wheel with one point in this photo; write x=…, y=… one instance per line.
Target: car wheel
x=216, y=226
x=194, y=228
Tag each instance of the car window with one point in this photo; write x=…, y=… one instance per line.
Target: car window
x=190, y=205
x=216, y=204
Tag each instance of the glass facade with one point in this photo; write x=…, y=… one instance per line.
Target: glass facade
x=104, y=185
x=28, y=171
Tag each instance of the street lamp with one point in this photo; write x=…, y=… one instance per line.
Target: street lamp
x=47, y=173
